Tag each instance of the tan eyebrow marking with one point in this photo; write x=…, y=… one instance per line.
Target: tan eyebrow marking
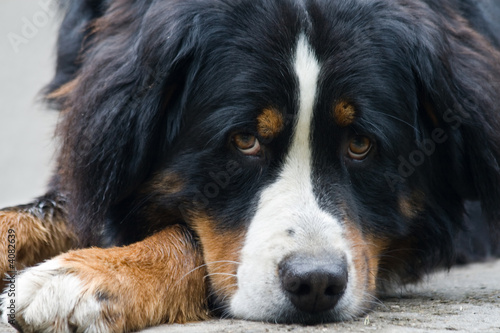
x=344, y=113
x=270, y=123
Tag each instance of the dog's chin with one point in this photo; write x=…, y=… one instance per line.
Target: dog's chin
x=289, y=314
x=277, y=308
x=294, y=316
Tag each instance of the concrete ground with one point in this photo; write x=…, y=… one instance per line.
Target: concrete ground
x=465, y=300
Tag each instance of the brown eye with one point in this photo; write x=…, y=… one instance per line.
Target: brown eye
x=359, y=147
x=248, y=144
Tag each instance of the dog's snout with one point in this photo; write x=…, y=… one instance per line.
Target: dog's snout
x=313, y=284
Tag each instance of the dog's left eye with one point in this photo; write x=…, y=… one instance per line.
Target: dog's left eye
x=359, y=147
x=248, y=144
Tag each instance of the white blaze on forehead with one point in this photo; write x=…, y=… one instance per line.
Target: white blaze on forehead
x=288, y=219
x=307, y=69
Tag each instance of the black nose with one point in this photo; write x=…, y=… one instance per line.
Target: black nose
x=313, y=283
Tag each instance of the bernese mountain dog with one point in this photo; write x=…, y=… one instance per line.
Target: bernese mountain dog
x=270, y=160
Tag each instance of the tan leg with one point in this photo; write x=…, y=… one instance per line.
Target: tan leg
x=32, y=233
x=158, y=280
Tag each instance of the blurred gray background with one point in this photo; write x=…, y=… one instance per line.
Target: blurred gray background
x=27, y=39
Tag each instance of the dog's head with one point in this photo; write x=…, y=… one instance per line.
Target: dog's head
x=316, y=150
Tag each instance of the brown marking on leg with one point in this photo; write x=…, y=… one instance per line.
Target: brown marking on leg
x=37, y=236
x=122, y=289
x=366, y=256
x=158, y=280
x=221, y=249
x=344, y=113
x=270, y=123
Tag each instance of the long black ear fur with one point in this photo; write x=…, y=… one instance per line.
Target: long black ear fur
x=122, y=111
x=459, y=70
x=75, y=35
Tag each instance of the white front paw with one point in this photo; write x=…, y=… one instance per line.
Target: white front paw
x=49, y=298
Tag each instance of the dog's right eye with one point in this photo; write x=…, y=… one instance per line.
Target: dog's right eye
x=359, y=147
x=248, y=144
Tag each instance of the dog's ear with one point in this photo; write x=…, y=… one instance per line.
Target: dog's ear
x=75, y=34
x=124, y=107
x=459, y=74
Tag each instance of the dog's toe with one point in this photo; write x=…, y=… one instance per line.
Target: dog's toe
x=51, y=298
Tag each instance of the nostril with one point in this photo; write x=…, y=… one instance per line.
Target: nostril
x=294, y=283
x=304, y=289
x=313, y=284
x=337, y=281
x=331, y=290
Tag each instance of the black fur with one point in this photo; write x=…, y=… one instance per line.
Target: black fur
x=162, y=85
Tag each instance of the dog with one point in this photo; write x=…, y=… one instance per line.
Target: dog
x=271, y=160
